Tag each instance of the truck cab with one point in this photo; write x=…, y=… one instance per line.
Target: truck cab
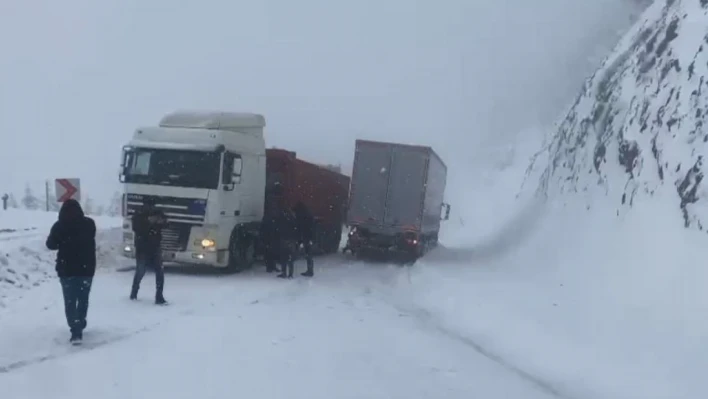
x=206, y=172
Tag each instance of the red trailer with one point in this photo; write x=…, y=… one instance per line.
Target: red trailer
x=324, y=191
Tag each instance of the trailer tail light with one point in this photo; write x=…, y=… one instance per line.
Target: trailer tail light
x=411, y=238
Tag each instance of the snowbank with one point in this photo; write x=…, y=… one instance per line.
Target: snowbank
x=595, y=307
x=24, y=219
x=24, y=260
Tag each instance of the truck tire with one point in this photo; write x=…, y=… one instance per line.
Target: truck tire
x=242, y=252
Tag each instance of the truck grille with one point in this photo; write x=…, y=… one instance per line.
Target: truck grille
x=177, y=209
x=175, y=237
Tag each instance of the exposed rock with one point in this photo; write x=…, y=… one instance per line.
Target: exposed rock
x=640, y=117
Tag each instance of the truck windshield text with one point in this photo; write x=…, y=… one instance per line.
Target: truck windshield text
x=194, y=169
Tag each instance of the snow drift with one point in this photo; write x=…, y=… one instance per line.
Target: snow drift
x=25, y=262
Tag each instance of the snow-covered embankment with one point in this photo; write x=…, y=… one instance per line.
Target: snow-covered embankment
x=24, y=260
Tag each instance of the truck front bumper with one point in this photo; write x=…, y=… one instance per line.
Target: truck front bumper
x=195, y=258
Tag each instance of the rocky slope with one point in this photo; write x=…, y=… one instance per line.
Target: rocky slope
x=638, y=128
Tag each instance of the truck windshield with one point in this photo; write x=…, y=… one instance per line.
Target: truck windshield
x=195, y=169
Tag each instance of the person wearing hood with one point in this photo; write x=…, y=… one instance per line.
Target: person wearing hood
x=148, y=223
x=73, y=236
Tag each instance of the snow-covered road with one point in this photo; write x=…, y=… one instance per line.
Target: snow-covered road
x=244, y=335
x=546, y=319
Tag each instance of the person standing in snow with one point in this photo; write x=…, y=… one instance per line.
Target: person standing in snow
x=287, y=239
x=278, y=233
x=269, y=237
x=305, y=225
x=73, y=236
x=147, y=228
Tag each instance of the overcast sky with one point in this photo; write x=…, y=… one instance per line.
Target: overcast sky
x=78, y=76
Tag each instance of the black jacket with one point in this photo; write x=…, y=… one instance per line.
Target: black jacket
x=277, y=227
x=147, y=226
x=304, y=223
x=73, y=236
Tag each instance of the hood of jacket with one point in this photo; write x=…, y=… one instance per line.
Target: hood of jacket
x=70, y=211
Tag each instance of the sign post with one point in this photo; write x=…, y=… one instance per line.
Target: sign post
x=67, y=189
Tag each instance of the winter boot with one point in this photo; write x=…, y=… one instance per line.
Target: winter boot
x=160, y=300
x=134, y=293
x=75, y=338
x=310, y=268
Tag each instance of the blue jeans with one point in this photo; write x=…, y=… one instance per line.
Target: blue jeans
x=76, y=301
x=143, y=261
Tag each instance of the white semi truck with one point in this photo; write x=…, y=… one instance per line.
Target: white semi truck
x=207, y=172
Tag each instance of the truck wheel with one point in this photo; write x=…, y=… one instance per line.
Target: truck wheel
x=242, y=252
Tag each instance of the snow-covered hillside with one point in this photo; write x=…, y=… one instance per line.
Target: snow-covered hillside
x=637, y=129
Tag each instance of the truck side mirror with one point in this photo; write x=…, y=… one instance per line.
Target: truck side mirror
x=447, y=212
x=237, y=169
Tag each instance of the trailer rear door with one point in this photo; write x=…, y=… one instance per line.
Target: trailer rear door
x=369, y=183
x=406, y=187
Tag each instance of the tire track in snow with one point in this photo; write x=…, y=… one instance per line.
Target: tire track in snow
x=291, y=291
x=428, y=320
x=87, y=346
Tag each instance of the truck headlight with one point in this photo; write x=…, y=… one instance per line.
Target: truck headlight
x=207, y=243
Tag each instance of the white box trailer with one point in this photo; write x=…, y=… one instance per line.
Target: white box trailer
x=396, y=198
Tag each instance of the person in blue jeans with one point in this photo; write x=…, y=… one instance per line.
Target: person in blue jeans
x=73, y=236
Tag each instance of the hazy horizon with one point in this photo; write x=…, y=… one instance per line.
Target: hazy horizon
x=78, y=77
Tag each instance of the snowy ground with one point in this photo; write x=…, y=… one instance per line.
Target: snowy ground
x=246, y=335
x=575, y=306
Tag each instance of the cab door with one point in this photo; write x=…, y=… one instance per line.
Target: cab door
x=231, y=182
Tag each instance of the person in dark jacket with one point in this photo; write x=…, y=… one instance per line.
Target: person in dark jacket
x=270, y=238
x=73, y=236
x=287, y=240
x=305, y=225
x=279, y=237
x=148, y=223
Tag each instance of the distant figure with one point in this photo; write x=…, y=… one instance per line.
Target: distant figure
x=279, y=238
x=5, y=197
x=73, y=236
x=270, y=233
x=148, y=223
x=305, y=224
x=287, y=232
x=270, y=236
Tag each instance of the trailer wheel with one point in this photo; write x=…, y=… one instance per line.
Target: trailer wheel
x=242, y=252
